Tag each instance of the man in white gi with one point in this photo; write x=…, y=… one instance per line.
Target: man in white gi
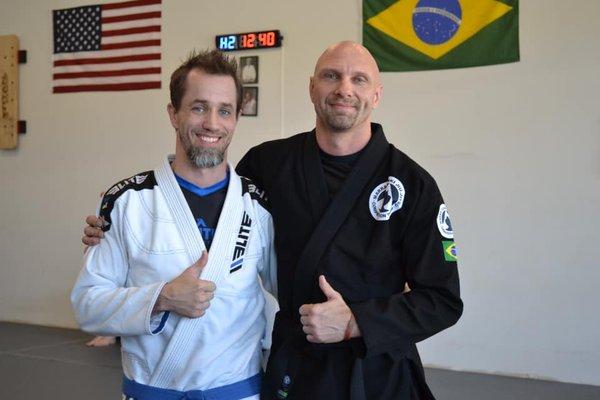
x=151, y=280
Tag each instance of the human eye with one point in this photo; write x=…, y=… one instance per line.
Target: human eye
x=360, y=79
x=199, y=108
x=330, y=75
x=226, y=112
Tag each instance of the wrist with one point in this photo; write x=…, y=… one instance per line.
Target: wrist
x=352, y=330
x=162, y=300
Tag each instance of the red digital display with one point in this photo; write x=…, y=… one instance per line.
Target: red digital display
x=248, y=40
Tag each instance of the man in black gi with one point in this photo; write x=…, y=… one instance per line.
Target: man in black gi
x=356, y=221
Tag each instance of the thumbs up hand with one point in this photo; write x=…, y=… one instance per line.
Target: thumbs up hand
x=328, y=322
x=187, y=294
x=327, y=290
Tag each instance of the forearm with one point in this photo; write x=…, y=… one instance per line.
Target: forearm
x=403, y=319
x=115, y=311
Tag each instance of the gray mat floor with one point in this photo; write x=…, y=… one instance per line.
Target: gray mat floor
x=51, y=363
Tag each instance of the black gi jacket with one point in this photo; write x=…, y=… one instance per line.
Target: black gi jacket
x=369, y=240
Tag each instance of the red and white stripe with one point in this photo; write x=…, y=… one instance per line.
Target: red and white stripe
x=130, y=56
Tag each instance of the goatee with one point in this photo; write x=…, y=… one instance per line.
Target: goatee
x=205, y=158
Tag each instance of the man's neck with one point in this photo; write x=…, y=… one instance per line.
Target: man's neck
x=202, y=177
x=343, y=143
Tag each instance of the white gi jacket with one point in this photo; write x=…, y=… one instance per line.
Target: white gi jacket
x=151, y=237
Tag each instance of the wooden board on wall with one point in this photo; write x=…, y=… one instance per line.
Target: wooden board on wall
x=9, y=89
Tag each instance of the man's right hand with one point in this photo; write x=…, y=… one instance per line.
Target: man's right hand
x=187, y=295
x=93, y=232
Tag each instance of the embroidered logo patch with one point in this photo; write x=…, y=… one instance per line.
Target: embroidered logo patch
x=241, y=243
x=253, y=189
x=282, y=393
x=444, y=224
x=386, y=199
x=139, y=179
x=114, y=189
x=449, y=250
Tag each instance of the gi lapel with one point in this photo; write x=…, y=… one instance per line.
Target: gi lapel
x=305, y=278
x=217, y=267
x=316, y=188
x=180, y=210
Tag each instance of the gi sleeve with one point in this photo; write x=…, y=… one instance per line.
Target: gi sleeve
x=268, y=269
x=250, y=167
x=268, y=274
x=433, y=302
x=103, y=302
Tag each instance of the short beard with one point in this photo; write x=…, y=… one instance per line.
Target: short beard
x=205, y=158
x=339, y=124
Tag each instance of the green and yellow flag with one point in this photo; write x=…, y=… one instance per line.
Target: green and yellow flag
x=413, y=35
x=449, y=250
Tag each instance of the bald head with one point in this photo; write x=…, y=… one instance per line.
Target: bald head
x=348, y=51
x=345, y=89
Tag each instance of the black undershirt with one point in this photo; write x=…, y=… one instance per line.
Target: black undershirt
x=206, y=205
x=336, y=169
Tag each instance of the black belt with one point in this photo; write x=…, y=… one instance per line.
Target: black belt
x=289, y=342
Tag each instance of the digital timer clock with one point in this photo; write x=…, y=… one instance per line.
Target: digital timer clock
x=248, y=40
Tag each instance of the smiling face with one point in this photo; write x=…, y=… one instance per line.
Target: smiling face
x=206, y=118
x=345, y=87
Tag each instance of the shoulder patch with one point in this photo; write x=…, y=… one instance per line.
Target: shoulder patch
x=254, y=191
x=141, y=181
x=443, y=222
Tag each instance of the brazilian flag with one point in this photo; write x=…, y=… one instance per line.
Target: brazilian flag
x=414, y=35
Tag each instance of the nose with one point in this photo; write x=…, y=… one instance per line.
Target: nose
x=344, y=87
x=210, y=122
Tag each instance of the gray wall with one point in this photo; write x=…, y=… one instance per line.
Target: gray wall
x=515, y=149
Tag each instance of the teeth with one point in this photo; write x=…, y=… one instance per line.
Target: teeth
x=209, y=139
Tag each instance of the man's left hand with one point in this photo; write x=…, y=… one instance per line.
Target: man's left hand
x=328, y=322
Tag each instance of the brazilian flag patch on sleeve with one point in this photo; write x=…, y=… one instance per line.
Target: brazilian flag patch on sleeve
x=449, y=250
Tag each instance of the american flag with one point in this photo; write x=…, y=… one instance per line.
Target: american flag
x=107, y=47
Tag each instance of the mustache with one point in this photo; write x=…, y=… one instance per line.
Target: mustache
x=341, y=102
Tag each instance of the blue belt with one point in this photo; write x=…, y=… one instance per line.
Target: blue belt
x=235, y=391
